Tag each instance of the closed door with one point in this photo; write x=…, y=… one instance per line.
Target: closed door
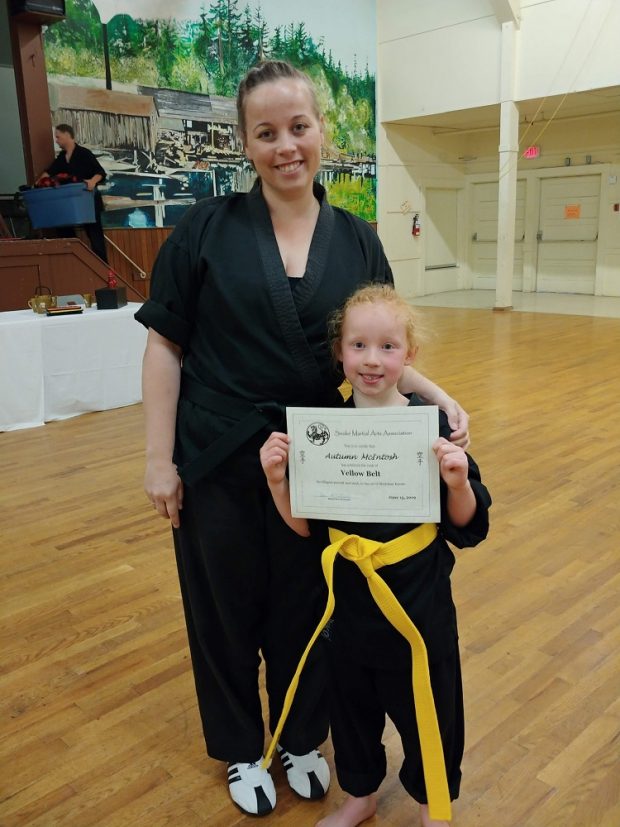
x=567, y=234
x=441, y=235
x=484, y=237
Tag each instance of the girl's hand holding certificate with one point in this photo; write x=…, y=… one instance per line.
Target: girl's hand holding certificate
x=452, y=461
x=453, y=467
x=274, y=457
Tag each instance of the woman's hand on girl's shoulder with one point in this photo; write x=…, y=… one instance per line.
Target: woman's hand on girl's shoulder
x=458, y=420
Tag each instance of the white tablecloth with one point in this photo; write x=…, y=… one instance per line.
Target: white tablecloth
x=55, y=368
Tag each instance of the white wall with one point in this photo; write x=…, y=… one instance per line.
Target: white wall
x=453, y=47
x=568, y=46
x=444, y=56
x=437, y=56
x=412, y=160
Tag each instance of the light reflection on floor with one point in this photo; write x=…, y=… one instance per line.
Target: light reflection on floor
x=562, y=303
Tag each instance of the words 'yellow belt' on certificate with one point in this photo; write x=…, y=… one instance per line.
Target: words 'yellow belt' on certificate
x=370, y=555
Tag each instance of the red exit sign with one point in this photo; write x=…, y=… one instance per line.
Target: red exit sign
x=532, y=152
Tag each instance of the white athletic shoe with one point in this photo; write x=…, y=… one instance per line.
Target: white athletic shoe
x=308, y=775
x=251, y=788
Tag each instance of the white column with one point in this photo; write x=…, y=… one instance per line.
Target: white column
x=508, y=158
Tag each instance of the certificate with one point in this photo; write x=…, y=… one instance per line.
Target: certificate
x=371, y=465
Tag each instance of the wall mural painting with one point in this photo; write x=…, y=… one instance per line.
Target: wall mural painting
x=154, y=97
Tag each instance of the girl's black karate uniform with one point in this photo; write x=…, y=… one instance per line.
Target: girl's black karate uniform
x=83, y=164
x=251, y=345
x=370, y=661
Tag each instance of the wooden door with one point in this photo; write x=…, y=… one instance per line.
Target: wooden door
x=567, y=234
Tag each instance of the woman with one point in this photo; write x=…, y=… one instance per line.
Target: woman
x=237, y=316
x=76, y=160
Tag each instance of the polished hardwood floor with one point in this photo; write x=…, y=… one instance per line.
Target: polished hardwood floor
x=98, y=720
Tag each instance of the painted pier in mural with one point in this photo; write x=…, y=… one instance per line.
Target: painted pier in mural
x=153, y=97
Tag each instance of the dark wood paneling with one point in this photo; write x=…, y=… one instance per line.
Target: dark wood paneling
x=23, y=277
x=64, y=265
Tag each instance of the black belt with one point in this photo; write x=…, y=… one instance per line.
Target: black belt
x=251, y=418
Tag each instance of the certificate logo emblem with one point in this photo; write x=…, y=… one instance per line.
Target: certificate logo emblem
x=317, y=433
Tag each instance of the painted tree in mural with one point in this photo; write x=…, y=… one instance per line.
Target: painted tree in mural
x=76, y=42
x=222, y=44
x=210, y=55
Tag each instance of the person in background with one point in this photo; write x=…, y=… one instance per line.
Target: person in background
x=237, y=319
x=75, y=160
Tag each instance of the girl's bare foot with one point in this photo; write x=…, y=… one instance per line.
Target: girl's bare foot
x=352, y=812
x=427, y=821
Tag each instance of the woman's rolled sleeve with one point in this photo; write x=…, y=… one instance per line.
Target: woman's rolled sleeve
x=175, y=285
x=178, y=275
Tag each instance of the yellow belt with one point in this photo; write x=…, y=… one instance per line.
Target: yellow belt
x=370, y=555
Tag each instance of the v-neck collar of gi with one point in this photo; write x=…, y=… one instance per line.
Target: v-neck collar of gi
x=288, y=303
x=319, y=245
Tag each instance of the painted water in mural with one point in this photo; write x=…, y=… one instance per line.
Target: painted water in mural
x=153, y=97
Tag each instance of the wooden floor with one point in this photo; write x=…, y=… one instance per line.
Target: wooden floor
x=99, y=723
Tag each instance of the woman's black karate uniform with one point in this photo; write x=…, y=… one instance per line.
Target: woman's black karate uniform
x=83, y=164
x=370, y=661
x=251, y=346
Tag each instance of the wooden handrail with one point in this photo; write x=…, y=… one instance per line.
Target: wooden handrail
x=137, y=267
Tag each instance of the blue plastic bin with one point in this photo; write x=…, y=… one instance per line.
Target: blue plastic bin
x=61, y=206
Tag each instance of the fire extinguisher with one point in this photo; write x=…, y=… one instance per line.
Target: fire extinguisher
x=415, y=227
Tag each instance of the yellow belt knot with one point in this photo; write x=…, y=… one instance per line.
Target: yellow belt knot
x=361, y=551
x=370, y=555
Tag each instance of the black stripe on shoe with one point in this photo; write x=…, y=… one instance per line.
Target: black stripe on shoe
x=263, y=805
x=316, y=788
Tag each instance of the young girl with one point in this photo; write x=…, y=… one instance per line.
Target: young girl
x=374, y=337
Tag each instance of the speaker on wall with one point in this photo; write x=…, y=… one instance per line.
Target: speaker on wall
x=38, y=11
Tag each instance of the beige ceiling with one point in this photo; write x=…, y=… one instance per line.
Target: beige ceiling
x=575, y=105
